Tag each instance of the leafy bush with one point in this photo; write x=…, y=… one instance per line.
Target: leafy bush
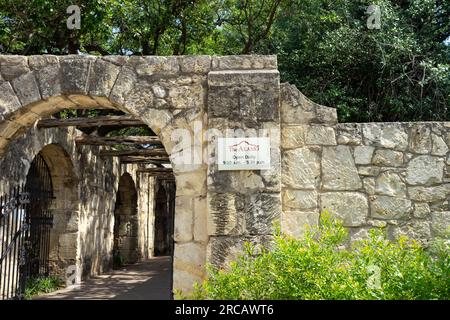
x=324, y=266
x=39, y=285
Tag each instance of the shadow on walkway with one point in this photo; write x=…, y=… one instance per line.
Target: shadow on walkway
x=149, y=280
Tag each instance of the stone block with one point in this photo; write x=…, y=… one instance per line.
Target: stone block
x=9, y=102
x=151, y=65
x=300, y=168
x=320, y=135
x=349, y=134
x=261, y=210
x=49, y=79
x=190, y=257
x=223, y=250
x=430, y=194
x=440, y=224
x=386, y=135
x=293, y=137
x=388, y=158
x=384, y=207
x=225, y=214
x=391, y=184
x=421, y=210
x=195, y=64
x=26, y=88
x=68, y=243
x=200, y=220
x=126, y=81
x=350, y=207
x=425, y=170
x=415, y=230
x=244, y=62
x=369, y=171
x=76, y=71
x=440, y=148
x=41, y=61
x=184, y=216
x=12, y=67
x=299, y=200
x=102, y=78
x=420, y=139
x=338, y=169
x=363, y=154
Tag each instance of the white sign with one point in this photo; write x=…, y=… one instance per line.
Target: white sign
x=244, y=153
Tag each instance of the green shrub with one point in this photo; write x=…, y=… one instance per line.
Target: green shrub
x=39, y=285
x=324, y=266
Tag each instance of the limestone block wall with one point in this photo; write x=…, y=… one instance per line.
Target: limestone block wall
x=394, y=176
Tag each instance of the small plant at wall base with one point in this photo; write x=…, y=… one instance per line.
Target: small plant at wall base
x=40, y=285
x=322, y=266
x=118, y=260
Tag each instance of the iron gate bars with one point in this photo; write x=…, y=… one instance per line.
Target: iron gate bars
x=13, y=236
x=25, y=224
x=39, y=186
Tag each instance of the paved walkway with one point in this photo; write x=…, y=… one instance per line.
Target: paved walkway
x=150, y=280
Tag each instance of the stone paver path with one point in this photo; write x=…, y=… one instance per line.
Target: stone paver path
x=149, y=280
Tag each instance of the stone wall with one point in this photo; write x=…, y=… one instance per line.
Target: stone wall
x=394, y=176
x=243, y=205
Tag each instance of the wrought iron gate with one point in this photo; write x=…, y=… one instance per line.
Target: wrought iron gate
x=25, y=224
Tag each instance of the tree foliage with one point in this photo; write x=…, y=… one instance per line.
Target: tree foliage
x=399, y=72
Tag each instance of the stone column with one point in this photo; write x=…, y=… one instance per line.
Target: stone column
x=243, y=100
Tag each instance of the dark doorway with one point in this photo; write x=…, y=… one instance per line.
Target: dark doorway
x=126, y=223
x=164, y=217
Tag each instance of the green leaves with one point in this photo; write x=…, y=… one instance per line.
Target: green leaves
x=39, y=285
x=324, y=266
x=389, y=74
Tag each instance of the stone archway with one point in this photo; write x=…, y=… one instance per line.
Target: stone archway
x=64, y=237
x=168, y=94
x=179, y=98
x=126, y=222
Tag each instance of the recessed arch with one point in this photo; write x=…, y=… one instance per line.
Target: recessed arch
x=126, y=223
x=64, y=209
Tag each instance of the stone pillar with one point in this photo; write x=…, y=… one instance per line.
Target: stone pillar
x=242, y=205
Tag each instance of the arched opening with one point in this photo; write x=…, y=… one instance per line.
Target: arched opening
x=126, y=227
x=60, y=223
x=170, y=101
x=164, y=217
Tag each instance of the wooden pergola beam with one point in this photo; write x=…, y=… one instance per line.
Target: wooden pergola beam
x=156, y=170
x=159, y=175
x=143, y=160
x=154, y=154
x=106, y=141
x=100, y=121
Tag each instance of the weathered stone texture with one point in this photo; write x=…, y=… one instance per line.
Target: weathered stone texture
x=384, y=207
x=386, y=135
x=425, y=170
x=300, y=168
x=387, y=158
x=391, y=184
x=338, y=169
x=351, y=207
